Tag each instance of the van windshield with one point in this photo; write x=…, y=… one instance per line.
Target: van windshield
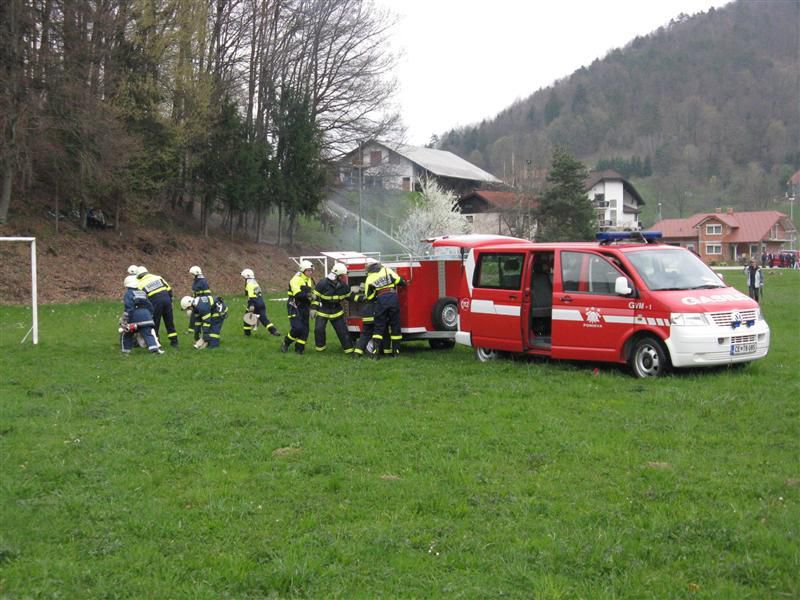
x=666, y=269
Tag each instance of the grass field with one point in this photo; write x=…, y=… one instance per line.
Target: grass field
x=246, y=473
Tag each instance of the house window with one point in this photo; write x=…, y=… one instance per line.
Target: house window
x=753, y=250
x=406, y=184
x=714, y=229
x=690, y=247
x=375, y=157
x=373, y=182
x=470, y=218
x=713, y=248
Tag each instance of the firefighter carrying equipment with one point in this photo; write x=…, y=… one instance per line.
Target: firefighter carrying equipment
x=256, y=307
x=298, y=308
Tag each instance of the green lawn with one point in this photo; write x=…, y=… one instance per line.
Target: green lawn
x=246, y=473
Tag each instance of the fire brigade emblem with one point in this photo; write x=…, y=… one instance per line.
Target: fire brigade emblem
x=593, y=316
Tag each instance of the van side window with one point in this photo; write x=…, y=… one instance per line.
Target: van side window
x=499, y=271
x=571, y=270
x=587, y=273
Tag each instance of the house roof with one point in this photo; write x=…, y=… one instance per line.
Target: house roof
x=503, y=200
x=441, y=162
x=596, y=177
x=746, y=226
x=795, y=179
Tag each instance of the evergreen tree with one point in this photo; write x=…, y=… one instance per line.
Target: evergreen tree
x=565, y=213
x=300, y=174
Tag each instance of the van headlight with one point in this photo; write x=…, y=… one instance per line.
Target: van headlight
x=688, y=319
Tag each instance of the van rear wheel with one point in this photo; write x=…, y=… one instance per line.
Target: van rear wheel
x=648, y=358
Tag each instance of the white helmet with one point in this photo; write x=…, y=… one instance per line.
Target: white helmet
x=339, y=269
x=141, y=270
x=370, y=261
x=131, y=281
x=248, y=274
x=186, y=302
x=132, y=270
x=195, y=271
x=305, y=265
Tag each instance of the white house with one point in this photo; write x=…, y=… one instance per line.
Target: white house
x=389, y=166
x=616, y=201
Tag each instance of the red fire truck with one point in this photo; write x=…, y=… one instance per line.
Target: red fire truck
x=428, y=303
x=626, y=299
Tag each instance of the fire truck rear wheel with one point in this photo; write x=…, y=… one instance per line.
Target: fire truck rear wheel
x=486, y=354
x=438, y=344
x=648, y=358
x=445, y=314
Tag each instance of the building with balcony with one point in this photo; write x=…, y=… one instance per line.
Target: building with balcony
x=615, y=200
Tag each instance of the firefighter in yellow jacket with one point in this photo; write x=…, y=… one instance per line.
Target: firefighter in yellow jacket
x=381, y=286
x=298, y=306
x=256, y=308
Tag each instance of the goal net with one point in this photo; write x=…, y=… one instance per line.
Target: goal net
x=33, y=332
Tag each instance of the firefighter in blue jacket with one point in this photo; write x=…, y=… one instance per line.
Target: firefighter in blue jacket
x=327, y=305
x=159, y=293
x=200, y=288
x=298, y=306
x=256, y=308
x=380, y=285
x=208, y=315
x=137, y=318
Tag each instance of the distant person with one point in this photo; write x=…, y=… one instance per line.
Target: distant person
x=755, y=279
x=328, y=296
x=256, y=308
x=298, y=307
x=137, y=318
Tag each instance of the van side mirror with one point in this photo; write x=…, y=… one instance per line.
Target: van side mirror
x=621, y=287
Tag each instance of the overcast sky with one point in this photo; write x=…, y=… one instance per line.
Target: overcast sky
x=466, y=60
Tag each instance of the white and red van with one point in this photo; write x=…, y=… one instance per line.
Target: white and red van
x=624, y=299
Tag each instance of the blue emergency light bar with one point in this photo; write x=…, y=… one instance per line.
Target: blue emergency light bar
x=648, y=237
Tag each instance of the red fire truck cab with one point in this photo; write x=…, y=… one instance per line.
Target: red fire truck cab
x=428, y=302
x=621, y=300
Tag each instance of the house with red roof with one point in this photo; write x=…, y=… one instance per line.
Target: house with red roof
x=730, y=236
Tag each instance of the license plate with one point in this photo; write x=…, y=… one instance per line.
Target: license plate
x=743, y=348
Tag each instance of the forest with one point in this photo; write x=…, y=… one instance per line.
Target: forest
x=227, y=107
x=699, y=114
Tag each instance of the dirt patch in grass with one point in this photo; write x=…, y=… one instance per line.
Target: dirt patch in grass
x=75, y=265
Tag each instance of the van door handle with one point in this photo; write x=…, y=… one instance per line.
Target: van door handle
x=566, y=298
x=512, y=296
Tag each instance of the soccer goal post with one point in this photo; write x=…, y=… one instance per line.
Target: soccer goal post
x=34, y=292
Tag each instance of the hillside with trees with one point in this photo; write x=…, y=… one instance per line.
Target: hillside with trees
x=699, y=114
x=221, y=109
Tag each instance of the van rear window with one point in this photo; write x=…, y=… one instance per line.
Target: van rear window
x=499, y=271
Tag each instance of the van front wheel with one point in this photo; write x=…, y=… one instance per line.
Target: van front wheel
x=486, y=354
x=648, y=358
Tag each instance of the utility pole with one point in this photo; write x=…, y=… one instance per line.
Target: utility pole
x=360, y=190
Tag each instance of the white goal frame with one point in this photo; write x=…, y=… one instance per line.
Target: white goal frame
x=34, y=289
